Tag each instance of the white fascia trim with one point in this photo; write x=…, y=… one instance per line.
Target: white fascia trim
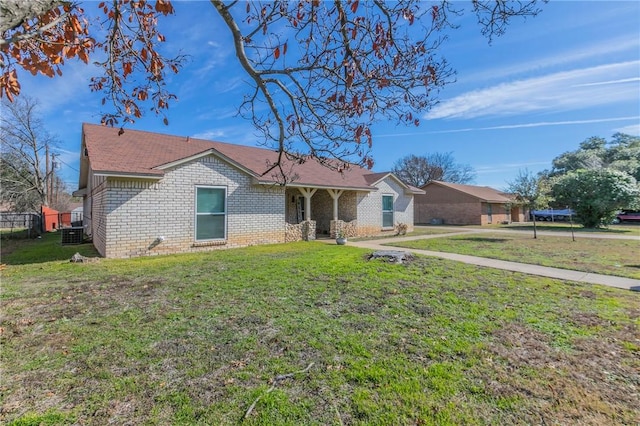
x=303, y=185
x=128, y=175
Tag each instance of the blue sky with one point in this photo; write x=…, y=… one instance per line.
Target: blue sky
x=545, y=86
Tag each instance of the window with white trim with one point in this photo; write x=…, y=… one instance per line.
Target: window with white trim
x=387, y=211
x=211, y=213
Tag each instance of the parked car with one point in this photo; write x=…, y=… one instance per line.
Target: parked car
x=627, y=216
x=552, y=215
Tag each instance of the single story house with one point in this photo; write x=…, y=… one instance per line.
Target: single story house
x=148, y=193
x=457, y=204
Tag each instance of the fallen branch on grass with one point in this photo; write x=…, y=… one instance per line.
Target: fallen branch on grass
x=276, y=380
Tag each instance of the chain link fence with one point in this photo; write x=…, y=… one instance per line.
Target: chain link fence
x=20, y=225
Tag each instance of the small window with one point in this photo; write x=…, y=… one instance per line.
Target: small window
x=387, y=211
x=211, y=213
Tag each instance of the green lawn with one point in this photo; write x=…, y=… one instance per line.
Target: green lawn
x=21, y=251
x=622, y=229
x=420, y=230
x=198, y=338
x=602, y=256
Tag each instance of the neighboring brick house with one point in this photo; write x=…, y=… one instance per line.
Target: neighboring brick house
x=148, y=193
x=456, y=204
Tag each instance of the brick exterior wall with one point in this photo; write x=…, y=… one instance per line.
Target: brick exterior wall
x=95, y=222
x=456, y=208
x=369, y=208
x=499, y=213
x=130, y=215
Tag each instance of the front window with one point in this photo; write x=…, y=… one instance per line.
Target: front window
x=387, y=211
x=211, y=213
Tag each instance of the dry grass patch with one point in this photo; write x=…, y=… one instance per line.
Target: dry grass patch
x=601, y=256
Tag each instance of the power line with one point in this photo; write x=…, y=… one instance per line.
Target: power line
x=71, y=167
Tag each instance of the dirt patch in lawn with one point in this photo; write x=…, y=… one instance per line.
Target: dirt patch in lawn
x=591, y=383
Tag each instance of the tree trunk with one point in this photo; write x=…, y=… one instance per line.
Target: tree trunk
x=14, y=12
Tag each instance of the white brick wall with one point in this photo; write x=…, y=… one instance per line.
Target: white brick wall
x=128, y=215
x=370, y=207
x=96, y=219
x=139, y=211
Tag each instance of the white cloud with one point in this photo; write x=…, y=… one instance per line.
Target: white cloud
x=210, y=135
x=241, y=134
x=499, y=168
x=606, y=47
x=56, y=93
x=519, y=126
x=602, y=83
x=633, y=129
x=554, y=92
x=538, y=124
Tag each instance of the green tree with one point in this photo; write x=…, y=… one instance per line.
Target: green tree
x=622, y=153
x=596, y=195
x=530, y=191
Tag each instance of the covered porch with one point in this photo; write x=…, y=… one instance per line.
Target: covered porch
x=314, y=212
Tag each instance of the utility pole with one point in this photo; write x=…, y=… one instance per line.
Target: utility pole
x=54, y=185
x=47, y=185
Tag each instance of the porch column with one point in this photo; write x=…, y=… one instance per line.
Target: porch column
x=335, y=194
x=307, y=193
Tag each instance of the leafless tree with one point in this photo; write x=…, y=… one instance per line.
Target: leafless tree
x=25, y=142
x=418, y=170
x=321, y=72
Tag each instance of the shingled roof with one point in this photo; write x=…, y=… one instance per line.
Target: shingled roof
x=483, y=193
x=138, y=153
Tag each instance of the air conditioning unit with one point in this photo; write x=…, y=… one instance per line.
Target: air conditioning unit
x=73, y=235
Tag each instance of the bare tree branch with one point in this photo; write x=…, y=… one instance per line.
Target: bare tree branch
x=321, y=73
x=24, y=140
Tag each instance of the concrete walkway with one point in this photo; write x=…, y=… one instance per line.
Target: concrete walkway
x=544, y=271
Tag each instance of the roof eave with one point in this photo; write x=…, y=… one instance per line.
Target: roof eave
x=314, y=185
x=414, y=191
x=155, y=176
x=79, y=192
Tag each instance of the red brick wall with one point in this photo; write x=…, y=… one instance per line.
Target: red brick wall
x=453, y=207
